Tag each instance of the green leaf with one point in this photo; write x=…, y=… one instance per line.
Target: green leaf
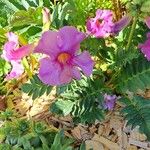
x=4, y=67
x=64, y=107
x=26, y=88
x=82, y=146
x=57, y=141
x=42, y=90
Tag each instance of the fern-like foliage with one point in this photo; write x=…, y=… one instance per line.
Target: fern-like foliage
x=123, y=57
x=36, y=88
x=134, y=76
x=136, y=112
x=82, y=99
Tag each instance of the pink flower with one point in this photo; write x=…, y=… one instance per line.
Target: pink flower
x=145, y=48
x=109, y=101
x=101, y=26
x=147, y=21
x=63, y=62
x=13, y=53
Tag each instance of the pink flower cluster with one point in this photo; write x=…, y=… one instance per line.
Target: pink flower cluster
x=62, y=63
x=14, y=53
x=102, y=25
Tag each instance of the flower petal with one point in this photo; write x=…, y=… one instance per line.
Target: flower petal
x=148, y=35
x=70, y=39
x=49, y=72
x=66, y=75
x=8, y=47
x=76, y=73
x=48, y=44
x=145, y=48
x=109, y=101
x=121, y=24
x=104, y=14
x=147, y=21
x=54, y=74
x=10, y=53
x=12, y=37
x=89, y=25
x=17, y=70
x=85, y=62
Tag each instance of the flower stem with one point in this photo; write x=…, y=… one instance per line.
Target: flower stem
x=132, y=32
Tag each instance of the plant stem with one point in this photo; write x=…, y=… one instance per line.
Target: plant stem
x=132, y=32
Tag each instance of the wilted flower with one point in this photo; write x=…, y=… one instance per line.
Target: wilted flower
x=145, y=48
x=62, y=62
x=46, y=15
x=109, y=101
x=102, y=24
x=147, y=21
x=13, y=53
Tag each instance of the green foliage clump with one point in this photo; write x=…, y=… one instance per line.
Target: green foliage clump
x=134, y=76
x=21, y=134
x=136, y=112
x=83, y=100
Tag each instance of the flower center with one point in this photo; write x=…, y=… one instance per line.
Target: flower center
x=99, y=22
x=63, y=57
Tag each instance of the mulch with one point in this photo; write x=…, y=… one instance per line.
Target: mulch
x=111, y=134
